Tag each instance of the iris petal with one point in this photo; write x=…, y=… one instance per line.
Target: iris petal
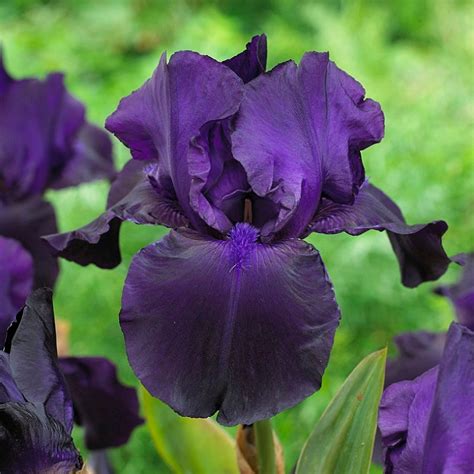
x=235, y=325
x=16, y=279
x=158, y=120
x=418, y=247
x=132, y=197
x=25, y=222
x=450, y=433
x=251, y=62
x=107, y=409
x=299, y=134
x=31, y=343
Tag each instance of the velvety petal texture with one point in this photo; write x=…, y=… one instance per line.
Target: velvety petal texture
x=35, y=408
x=299, y=133
x=427, y=425
x=461, y=294
x=106, y=409
x=16, y=280
x=233, y=326
x=418, y=247
x=45, y=139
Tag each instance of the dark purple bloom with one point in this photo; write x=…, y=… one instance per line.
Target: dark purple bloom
x=236, y=311
x=36, y=415
x=427, y=424
x=106, y=409
x=16, y=278
x=45, y=142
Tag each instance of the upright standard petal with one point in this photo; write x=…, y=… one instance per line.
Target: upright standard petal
x=134, y=196
x=299, y=133
x=9, y=391
x=26, y=222
x=16, y=280
x=418, y=247
x=31, y=343
x=106, y=409
x=158, y=120
x=232, y=325
x=252, y=62
x=461, y=293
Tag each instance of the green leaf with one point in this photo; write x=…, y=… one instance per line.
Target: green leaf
x=189, y=445
x=343, y=440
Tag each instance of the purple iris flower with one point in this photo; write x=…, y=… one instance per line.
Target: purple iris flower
x=36, y=416
x=233, y=311
x=45, y=142
x=427, y=424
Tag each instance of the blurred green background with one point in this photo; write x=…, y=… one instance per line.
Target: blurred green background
x=415, y=57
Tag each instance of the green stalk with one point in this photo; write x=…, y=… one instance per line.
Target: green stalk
x=265, y=447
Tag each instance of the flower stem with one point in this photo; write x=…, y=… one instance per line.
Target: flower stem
x=265, y=447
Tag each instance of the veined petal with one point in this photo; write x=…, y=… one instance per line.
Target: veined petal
x=132, y=197
x=418, y=247
x=299, y=133
x=450, y=432
x=26, y=222
x=106, y=409
x=230, y=325
x=16, y=280
x=158, y=120
x=251, y=62
x=31, y=343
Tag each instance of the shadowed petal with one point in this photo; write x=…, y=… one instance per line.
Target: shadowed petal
x=450, y=433
x=461, y=293
x=91, y=159
x=5, y=78
x=9, y=392
x=418, y=247
x=299, y=133
x=33, y=442
x=158, y=120
x=107, y=409
x=16, y=279
x=252, y=62
x=236, y=326
x=26, y=222
x=403, y=419
x=98, y=462
x=139, y=201
x=31, y=343
x=418, y=352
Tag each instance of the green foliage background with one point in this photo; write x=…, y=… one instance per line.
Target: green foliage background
x=413, y=56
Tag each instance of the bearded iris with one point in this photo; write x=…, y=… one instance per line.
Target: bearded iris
x=45, y=142
x=233, y=311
